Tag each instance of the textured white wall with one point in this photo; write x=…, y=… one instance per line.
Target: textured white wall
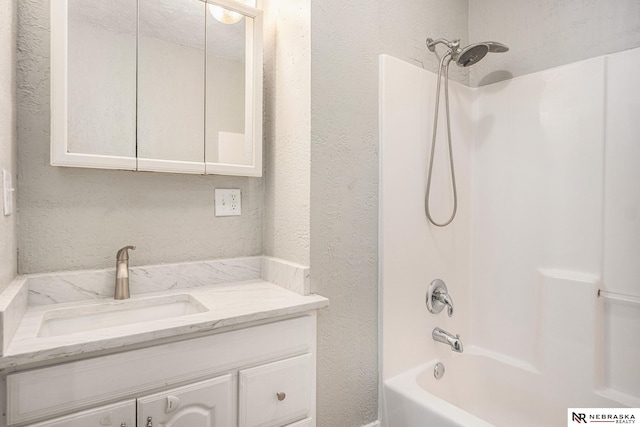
x=8, y=253
x=346, y=39
x=77, y=218
x=287, y=129
x=547, y=33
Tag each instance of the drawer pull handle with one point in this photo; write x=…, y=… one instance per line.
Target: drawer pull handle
x=281, y=395
x=149, y=422
x=123, y=425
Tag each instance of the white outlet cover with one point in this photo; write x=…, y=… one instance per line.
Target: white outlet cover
x=228, y=202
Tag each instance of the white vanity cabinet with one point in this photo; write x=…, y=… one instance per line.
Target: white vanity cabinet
x=259, y=376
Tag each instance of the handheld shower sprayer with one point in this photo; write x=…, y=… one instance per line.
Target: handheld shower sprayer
x=463, y=57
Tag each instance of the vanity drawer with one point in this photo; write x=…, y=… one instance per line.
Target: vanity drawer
x=277, y=393
x=49, y=392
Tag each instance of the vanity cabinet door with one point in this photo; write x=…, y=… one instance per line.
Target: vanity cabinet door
x=203, y=404
x=121, y=414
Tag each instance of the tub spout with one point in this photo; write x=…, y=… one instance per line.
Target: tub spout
x=445, y=337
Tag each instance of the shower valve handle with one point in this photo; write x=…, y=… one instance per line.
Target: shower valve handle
x=438, y=297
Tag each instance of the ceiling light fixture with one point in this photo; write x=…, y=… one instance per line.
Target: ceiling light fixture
x=227, y=16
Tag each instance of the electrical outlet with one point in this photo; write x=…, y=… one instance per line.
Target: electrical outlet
x=228, y=202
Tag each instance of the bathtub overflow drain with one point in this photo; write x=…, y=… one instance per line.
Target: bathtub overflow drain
x=438, y=371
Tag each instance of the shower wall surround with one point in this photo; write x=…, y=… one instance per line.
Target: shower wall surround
x=537, y=196
x=413, y=252
x=621, y=270
x=555, y=211
x=550, y=216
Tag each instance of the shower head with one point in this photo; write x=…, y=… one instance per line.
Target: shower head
x=473, y=53
x=469, y=55
x=495, y=47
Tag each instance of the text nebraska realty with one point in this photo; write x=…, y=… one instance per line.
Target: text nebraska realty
x=611, y=418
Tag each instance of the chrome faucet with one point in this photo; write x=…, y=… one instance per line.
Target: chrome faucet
x=443, y=336
x=438, y=297
x=122, y=273
x=445, y=299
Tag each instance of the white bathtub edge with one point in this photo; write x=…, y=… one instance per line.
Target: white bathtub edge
x=405, y=384
x=625, y=399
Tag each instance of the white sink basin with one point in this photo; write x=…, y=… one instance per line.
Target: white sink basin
x=117, y=313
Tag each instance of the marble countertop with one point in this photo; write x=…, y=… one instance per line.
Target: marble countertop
x=225, y=305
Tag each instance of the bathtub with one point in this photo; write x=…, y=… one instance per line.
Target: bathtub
x=482, y=389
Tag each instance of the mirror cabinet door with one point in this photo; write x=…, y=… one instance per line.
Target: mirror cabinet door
x=171, y=85
x=153, y=85
x=93, y=90
x=233, y=105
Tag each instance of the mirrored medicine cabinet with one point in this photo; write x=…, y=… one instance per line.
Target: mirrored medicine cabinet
x=157, y=85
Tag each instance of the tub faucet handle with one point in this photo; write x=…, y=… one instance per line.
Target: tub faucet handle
x=438, y=297
x=445, y=298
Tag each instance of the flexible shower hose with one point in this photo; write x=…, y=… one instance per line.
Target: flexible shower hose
x=443, y=66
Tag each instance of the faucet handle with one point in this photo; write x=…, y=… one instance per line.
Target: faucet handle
x=437, y=298
x=123, y=254
x=450, y=309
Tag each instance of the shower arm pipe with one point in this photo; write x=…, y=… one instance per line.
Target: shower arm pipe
x=443, y=65
x=453, y=44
